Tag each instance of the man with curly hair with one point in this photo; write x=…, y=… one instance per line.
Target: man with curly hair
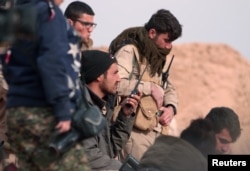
x=226, y=125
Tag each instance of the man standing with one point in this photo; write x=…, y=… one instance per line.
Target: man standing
x=147, y=47
x=43, y=79
x=100, y=72
x=81, y=16
x=226, y=125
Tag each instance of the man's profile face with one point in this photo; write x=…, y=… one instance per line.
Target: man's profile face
x=109, y=81
x=84, y=26
x=160, y=39
x=223, y=141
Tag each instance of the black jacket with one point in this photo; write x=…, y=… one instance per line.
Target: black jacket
x=102, y=149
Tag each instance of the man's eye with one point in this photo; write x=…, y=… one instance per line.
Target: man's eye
x=224, y=141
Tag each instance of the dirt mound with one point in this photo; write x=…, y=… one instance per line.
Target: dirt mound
x=209, y=75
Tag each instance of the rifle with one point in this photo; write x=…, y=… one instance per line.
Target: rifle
x=166, y=74
x=164, y=82
x=135, y=90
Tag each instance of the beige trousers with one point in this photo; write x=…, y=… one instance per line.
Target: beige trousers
x=138, y=143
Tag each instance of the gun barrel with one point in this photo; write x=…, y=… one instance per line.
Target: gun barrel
x=167, y=71
x=135, y=90
x=166, y=74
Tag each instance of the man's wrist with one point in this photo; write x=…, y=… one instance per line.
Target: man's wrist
x=174, y=108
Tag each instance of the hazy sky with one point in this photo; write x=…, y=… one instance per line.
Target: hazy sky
x=211, y=21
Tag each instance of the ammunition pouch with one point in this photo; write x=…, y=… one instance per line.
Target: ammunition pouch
x=146, y=118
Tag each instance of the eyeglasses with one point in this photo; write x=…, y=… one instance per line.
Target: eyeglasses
x=87, y=24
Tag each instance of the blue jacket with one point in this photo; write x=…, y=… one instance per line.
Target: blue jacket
x=44, y=72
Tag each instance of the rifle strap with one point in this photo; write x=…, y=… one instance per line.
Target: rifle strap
x=136, y=61
x=133, y=65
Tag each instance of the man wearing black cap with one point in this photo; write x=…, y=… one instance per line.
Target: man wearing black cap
x=100, y=72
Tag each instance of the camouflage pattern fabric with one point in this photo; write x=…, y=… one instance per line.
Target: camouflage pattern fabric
x=7, y=158
x=29, y=131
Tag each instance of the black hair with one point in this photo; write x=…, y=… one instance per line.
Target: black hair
x=163, y=21
x=224, y=117
x=77, y=8
x=201, y=135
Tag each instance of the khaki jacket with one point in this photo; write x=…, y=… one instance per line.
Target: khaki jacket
x=130, y=69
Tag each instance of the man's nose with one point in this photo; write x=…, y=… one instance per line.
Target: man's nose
x=226, y=149
x=118, y=78
x=168, y=45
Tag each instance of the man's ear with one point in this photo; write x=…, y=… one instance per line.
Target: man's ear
x=100, y=77
x=152, y=33
x=71, y=22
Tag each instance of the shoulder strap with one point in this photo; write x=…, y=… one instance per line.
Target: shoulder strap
x=51, y=10
x=142, y=67
x=85, y=96
x=134, y=63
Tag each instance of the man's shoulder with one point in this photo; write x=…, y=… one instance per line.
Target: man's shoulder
x=128, y=47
